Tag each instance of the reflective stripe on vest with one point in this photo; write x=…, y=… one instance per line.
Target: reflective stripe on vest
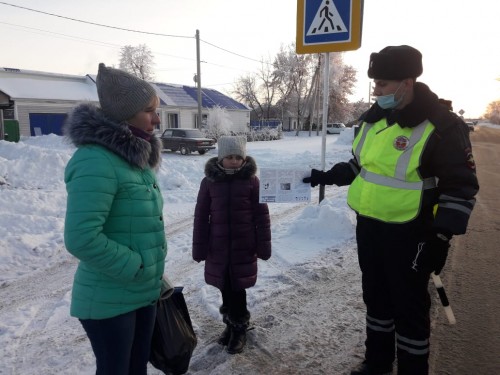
x=388, y=187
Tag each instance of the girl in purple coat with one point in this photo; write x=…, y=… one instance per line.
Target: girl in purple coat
x=231, y=230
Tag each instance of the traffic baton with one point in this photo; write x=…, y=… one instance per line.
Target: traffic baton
x=444, y=299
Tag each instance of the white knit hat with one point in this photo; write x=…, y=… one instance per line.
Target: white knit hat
x=121, y=94
x=231, y=145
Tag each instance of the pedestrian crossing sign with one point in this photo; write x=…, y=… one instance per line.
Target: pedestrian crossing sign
x=328, y=25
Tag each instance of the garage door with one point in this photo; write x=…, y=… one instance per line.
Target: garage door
x=46, y=123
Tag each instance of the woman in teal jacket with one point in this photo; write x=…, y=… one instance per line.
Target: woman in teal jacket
x=114, y=221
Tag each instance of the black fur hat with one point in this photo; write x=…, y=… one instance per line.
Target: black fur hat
x=395, y=63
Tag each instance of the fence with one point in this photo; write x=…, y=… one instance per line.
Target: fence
x=263, y=124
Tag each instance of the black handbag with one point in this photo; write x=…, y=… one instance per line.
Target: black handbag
x=173, y=339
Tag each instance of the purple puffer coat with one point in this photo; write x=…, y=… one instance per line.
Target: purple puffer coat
x=231, y=228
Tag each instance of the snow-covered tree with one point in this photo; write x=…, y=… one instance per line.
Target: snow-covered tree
x=342, y=81
x=218, y=123
x=294, y=74
x=138, y=61
x=358, y=108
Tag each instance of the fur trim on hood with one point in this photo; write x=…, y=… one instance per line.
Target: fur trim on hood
x=87, y=124
x=215, y=174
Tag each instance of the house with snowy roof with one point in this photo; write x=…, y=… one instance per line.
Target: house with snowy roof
x=41, y=101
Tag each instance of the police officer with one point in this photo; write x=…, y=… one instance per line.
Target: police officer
x=412, y=185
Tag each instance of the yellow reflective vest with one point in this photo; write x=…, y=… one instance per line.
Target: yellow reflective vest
x=389, y=187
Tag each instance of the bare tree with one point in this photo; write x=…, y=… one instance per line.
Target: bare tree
x=293, y=86
x=258, y=91
x=268, y=87
x=493, y=112
x=137, y=61
x=245, y=90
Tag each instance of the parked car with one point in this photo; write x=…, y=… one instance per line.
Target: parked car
x=186, y=141
x=334, y=128
x=471, y=126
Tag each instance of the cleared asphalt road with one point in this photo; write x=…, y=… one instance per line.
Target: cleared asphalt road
x=471, y=278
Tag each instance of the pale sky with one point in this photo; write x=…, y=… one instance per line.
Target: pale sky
x=459, y=40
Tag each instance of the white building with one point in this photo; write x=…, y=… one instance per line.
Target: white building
x=41, y=101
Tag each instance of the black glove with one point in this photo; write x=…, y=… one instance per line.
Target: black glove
x=315, y=178
x=438, y=246
x=341, y=174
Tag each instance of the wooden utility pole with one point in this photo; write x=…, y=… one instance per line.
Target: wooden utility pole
x=314, y=90
x=198, y=76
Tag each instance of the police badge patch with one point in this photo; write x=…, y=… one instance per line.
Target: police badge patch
x=401, y=143
x=469, y=158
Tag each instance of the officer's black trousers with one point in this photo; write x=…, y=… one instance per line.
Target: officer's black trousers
x=396, y=296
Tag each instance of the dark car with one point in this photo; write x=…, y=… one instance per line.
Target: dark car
x=186, y=141
x=471, y=126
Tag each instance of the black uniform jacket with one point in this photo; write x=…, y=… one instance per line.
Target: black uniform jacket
x=447, y=156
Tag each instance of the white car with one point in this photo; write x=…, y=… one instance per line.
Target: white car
x=334, y=128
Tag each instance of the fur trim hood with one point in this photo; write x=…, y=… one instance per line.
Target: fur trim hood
x=87, y=124
x=215, y=174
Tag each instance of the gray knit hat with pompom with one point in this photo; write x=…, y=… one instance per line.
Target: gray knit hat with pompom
x=121, y=94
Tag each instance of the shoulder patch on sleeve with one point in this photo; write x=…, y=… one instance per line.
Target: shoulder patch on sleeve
x=469, y=158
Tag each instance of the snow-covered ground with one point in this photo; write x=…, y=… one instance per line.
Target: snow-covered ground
x=306, y=307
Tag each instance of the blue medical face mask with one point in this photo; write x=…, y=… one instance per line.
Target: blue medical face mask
x=389, y=101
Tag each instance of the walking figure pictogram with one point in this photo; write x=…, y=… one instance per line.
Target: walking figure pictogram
x=327, y=20
x=325, y=12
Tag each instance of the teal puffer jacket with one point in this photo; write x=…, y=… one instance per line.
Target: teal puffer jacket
x=114, y=221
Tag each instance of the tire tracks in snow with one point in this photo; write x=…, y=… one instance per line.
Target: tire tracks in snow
x=32, y=344
x=298, y=328
x=28, y=303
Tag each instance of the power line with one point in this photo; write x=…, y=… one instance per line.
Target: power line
x=95, y=24
x=122, y=29
x=129, y=30
x=62, y=35
x=233, y=53
x=86, y=39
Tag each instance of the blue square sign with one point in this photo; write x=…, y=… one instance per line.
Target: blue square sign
x=328, y=25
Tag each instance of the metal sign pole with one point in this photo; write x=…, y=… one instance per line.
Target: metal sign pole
x=324, y=27
x=326, y=91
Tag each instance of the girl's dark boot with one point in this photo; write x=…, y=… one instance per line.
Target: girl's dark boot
x=238, y=338
x=226, y=334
